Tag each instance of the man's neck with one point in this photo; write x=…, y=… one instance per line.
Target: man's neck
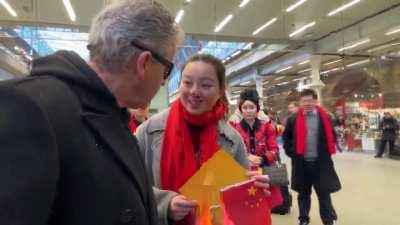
x=110, y=82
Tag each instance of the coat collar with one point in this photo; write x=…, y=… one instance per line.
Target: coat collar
x=118, y=138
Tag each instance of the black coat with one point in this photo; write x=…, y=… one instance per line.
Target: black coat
x=67, y=156
x=389, y=127
x=327, y=180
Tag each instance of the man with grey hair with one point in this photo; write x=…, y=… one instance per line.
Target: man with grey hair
x=67, y=155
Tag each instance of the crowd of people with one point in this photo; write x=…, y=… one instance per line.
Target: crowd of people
x=77, y=156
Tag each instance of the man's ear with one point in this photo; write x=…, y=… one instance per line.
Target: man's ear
x=142, y=61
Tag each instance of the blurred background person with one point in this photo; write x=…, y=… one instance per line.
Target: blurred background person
x=137, y=117
x=389, y=128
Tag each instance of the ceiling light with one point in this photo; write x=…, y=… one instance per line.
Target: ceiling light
x=9, y=8
x=332, y=62
x=284, y=69
x=393, y=31
x=245, y=83
x=298, y=79
x=332, y=70
x=264, y=26
x=356, y=44
x=304, y=62
x=70, y=10
x=306, y=70
x=303, y=28
x=236, y=53
x=179, y=16
x=283, y=83
x=243, y=3
x=358, y=63
x=223, y=23
x=383, y=47
x=188, y=1
x=266, y=82
x=248, y=46
x=343, y=7
x=295, y=5
x=279, y=78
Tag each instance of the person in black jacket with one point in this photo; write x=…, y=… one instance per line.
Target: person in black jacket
x=309, y=141
x=67, y=155
x=389, y=127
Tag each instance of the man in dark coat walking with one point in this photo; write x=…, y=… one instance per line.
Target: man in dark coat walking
x=389, y=127
x=309, y=141
x=67, y=156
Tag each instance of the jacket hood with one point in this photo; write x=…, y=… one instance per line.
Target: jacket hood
x=72, y=69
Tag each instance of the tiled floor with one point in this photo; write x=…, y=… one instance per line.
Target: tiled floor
x=370, y=193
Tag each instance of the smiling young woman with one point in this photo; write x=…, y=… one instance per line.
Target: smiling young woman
x=178, y=141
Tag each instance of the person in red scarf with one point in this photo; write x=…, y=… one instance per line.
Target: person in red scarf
x=176, y=142
x=309, y=141
x=259, y=138
x=138, y=116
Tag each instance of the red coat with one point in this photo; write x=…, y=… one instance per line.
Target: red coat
x=265, y=140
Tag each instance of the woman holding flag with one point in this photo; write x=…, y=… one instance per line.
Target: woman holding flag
x=259, y=138
x=175, y=143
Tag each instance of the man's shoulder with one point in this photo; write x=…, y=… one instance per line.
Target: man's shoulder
x=34, y=85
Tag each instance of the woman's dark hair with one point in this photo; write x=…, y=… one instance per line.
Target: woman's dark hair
x=215, y=62
x=249, y=95
x=309, y=92
x=219, y=71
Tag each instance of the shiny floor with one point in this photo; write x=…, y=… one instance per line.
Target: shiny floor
x=370, y=193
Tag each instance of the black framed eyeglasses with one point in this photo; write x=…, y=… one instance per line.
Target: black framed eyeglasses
x=165, y=62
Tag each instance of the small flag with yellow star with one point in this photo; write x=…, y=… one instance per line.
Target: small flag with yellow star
x=245, y=204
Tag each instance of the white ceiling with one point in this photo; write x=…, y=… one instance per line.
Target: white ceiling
x=201, y=16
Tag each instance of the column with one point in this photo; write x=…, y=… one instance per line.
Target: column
x=316, y=83
x=259, y=87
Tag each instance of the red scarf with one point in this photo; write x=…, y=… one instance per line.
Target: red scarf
x=301, y=131
x=178, y=162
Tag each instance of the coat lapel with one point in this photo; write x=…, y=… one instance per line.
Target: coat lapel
x=120, y=142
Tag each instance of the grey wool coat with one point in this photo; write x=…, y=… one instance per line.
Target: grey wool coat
x=150, y=136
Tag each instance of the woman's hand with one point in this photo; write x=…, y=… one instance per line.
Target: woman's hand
x=261, y=181
x=254, y=160
x=179, y=207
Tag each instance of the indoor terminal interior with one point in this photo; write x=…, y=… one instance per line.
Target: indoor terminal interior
x=348, y=51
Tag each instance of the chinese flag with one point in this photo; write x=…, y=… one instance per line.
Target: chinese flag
x=245, y=204
x=204, y=186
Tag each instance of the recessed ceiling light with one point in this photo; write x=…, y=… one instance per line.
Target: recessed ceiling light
x=304, y=62
x=295, y=5
x=355, y=44
x=179, y=16
x=358, y=63
x=393, y=31
x=383, y=47
x=284, y=69
x=343, y=7
x=332, y=62
x=306, y=70
x=223, y=23
x=245, y=83
x=262, y=27
x=70, y=10
x=8, y=8
x=244, y=3
x=303, y=28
